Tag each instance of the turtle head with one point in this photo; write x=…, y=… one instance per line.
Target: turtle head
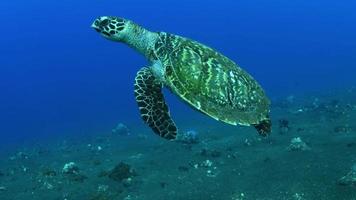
x=126, y=31
x=112, y=28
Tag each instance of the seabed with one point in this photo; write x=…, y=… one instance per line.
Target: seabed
x=310, y=155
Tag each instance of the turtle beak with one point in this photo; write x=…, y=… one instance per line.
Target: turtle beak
x=95, y=27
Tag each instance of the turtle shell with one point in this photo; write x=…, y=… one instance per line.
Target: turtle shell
x=210, y=82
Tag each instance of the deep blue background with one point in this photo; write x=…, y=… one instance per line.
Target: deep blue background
x=57, y=76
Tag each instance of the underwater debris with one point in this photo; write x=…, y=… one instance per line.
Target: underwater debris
x=316, y=103
x=330, y=110
x=96, y=148
x=1, y=173
x=247, y=142
x=350, y=178
x=342, y=129
x=238, y=196
x=283, y=126
x=206, y=163
x=70, y=168
x=121, y=172
x=24, y=169
x=297, y=144
x=103, y=188
x=233, y=155
x=22, y=155
x=127, y=182
x=253, y=141
x=19, y=155
x=188, y=137
x=2, y=188
x=211, y=170
x=334, y=109
x=300, y=110
x=48, y=185
x=298, y=196
x=121, y=129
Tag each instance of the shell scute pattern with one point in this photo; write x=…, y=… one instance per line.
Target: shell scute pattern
x=210, y=82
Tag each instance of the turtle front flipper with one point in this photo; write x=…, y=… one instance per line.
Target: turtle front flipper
x=153, y=109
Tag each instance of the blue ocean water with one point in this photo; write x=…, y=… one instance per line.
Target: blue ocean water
x=63, y=88
x=58, y=76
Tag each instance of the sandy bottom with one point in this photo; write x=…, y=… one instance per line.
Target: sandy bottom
x=228, y=163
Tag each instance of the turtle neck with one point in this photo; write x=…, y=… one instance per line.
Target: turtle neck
x=140, y=39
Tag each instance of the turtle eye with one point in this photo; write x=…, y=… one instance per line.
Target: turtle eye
x=105, y=22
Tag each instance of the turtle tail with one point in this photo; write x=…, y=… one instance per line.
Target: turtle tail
x=264, y=127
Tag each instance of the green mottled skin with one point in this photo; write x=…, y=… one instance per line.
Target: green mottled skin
x=209, y=81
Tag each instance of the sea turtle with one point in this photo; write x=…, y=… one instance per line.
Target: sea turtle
x=207, y=80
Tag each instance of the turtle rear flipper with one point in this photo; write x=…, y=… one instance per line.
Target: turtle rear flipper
x=153, y=109
x=264, y=127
